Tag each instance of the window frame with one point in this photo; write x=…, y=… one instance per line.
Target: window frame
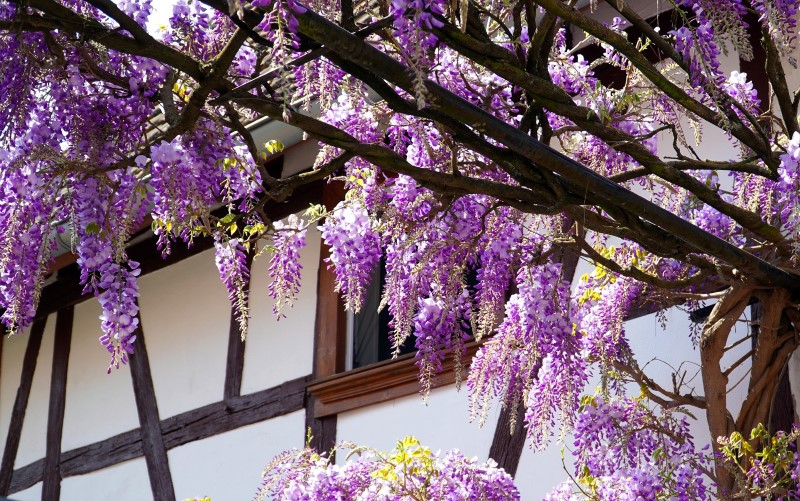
x=334, y=388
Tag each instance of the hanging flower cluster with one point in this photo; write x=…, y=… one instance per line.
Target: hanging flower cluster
x=66, y=175
x=410, y=471
x=623, y=450
x=285, y=267
x=355, y=251
x=233, y=266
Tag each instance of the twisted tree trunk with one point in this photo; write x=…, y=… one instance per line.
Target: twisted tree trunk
x=776, y=341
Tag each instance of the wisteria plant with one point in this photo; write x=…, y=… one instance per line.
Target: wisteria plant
x=505, y=140
x=410, y=472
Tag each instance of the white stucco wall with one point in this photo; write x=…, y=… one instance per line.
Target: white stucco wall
x=441, y=424
x=98, y=405
x=34, y=428
x=228, y=466
x=280, y=350
x=185, y=315
x=126, y=481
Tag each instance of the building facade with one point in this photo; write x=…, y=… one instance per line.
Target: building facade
x=199, y=412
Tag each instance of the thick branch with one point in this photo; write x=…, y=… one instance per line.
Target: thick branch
x=776, y=340
x=572, y=173
x=556, y=100
x=640, y=61
x=110, y=9
x=713, y=339
x=390, y=161
x=66, y=20
x=777, y=77
x=746, y=167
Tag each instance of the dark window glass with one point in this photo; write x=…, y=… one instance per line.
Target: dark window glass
x=371, y=341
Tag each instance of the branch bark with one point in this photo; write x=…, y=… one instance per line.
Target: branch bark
x=713, y=339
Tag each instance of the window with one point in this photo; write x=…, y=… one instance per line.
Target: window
x=368, y=331
x=371, y=374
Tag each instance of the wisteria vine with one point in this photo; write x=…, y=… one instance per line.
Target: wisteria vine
x=112, y=125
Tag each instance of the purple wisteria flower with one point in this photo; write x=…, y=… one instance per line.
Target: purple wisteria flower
x=410, y=471
x=284, y=266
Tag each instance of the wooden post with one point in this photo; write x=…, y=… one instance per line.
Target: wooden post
x=234, y=367
x=330, y=336
x=507, y=447
x=51, y=476
x=20, y=404
x=155, y=452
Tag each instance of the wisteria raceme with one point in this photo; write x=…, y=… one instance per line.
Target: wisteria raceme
x=440, y=330
x=139, y=11
x=119, y=319
x=232, y=263
x=284, y=266
x=780, y=18
x=355, y=251
x=105, y=269
x=727, y=19
x=503, y=246
x=414, y=20
x=787, y=189
x=742, y=91
x=699, y=49
x=539, y=353
x=632, y=453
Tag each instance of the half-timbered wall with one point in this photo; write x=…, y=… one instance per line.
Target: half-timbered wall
x=196, y=412
x=207, y=412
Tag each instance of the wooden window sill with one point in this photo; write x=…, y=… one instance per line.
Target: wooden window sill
x=377, y=383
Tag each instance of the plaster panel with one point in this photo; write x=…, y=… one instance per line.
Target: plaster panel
x=34, y=428
x=10, y=372
x=660, y=352
x=292, y=337
x=99, y=405
x=441, y=425
x=541, y=471
x=229, y=466
x=30, y=494
x=185, y=316
x=126, y=481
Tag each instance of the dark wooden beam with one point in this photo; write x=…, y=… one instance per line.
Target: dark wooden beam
x=20, y=404
x=506, y=446
x=234, y=366
x=756, y=67
x=51, y=475
x=330, y=336
x=321, y=431
x=155, y=452
x=237, y=412
x=197, y=424
x=330, y=325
